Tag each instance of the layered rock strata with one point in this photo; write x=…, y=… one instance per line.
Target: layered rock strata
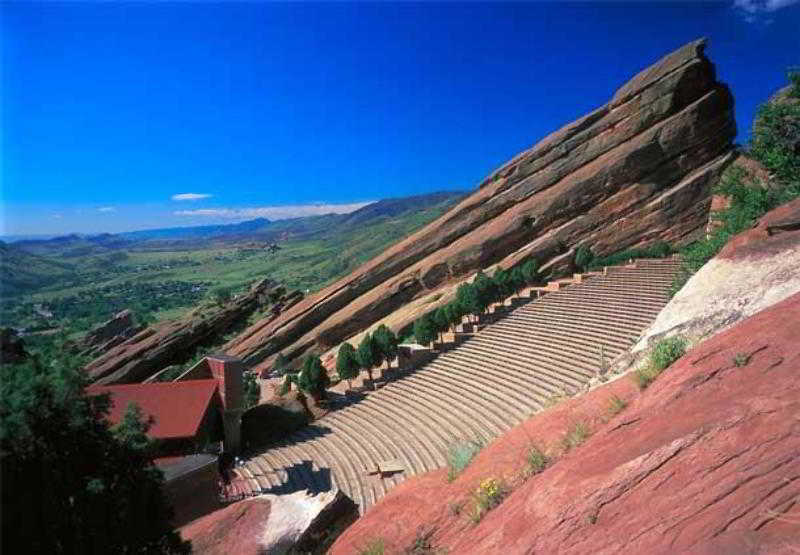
x=636, y=170
x=157, y=347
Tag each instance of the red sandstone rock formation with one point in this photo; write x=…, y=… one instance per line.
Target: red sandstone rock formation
x=635, y=170
x=706, y=460
x=157, y=347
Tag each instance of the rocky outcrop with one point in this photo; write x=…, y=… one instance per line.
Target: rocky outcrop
x=157, y=347
x=294, y=523
x=109, y=334
x=636, y=170
x=705, y=460
x=756, y=269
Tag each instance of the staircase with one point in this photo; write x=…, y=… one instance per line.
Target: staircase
x=497, y=378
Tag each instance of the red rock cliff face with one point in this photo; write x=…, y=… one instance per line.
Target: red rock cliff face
x=636, y=170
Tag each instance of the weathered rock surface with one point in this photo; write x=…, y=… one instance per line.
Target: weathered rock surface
x=756, y=269
x=155, y=348
x=109, y=334
x=270, y=524
x=636, y=170
x=706, y=460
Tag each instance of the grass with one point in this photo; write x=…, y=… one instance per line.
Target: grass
x=375, y=546
x=616, y=405
x=459, y=456
x=575, y=436
x=423, y=542
x=662, y=356
x=741, y=359
x=535, y=461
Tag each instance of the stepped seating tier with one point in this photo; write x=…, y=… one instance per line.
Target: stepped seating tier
x=534, y=349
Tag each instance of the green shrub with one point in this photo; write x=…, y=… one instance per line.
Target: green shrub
x=616, y=405
x=459, y=456
x=535, y=461
x=659, y=249
x=575, y=436
x=667, y=351
x=662, y=356
x=741, y=359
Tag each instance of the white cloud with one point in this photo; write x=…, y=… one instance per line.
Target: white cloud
x=274, y=212
x=107, y=209
x=752, y=7
x=190, y=196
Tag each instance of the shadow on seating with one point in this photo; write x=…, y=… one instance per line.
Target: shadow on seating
x=302, y=476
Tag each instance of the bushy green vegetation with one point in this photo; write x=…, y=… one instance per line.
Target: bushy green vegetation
x=616, y=405
x=661, y=357
x=347, y=365
x=474, y=298
x=535, y=461
x=774, y=143
x=659, y=249
x=459, y=456
x=71, y=483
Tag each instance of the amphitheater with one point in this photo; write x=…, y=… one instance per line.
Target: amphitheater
x=541, y=348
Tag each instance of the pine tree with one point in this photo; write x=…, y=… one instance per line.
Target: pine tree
x=530, y=271
x=467, y=299
x=441, y=321
x=386, y=342
x=424, y=330
x=366, y=355
x=313, y=378
x=347, y=365
x=517, y=279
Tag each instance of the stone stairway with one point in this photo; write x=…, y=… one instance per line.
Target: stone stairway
x=478, y=390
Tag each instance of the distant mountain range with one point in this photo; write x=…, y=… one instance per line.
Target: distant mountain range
x=259, y=229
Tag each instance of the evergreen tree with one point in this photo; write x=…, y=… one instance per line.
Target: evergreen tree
x=530, y=271
x=347, y=365
x=424, y=330
x=280, y=366
x=386, y=342
x=313, y=378
x=367, y=355
x=486, y=289
x=583, y=257
x=71, y=483
x=441, y=321
x=454, y=314
x=467, y=299
x=252, y=390
x=517, y=279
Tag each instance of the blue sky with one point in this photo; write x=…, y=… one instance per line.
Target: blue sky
x=110, y=110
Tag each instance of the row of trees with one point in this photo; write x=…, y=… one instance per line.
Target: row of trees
x=374, y=349
x=381, y=345
x=475, y=298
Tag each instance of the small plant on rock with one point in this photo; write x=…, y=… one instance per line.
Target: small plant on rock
x=616, y=405
x=490, y=494
x=459, y=457
x=575, y=436
x=741, y=359
x=423, y=542
x=375, y=546
x=535, y=461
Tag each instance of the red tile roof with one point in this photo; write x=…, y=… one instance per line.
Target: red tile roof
x=177, y=407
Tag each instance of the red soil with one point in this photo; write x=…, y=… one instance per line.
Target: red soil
x=706, y=460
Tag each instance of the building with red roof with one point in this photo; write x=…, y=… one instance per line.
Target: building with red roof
x=186, y=416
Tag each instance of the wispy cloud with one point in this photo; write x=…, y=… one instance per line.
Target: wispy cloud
x=757, y=11
x=106, y=209
x=274, y=212
x=191, y=196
